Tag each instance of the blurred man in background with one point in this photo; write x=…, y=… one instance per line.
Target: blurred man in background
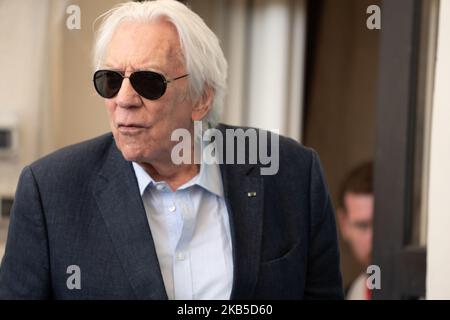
x=355, y=214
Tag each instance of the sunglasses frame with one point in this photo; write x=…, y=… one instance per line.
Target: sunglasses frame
x=130, y=77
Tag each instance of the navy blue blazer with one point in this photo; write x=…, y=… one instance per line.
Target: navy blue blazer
x=81, y=206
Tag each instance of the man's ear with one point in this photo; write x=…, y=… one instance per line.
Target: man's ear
x=203, y=105
x=343, y=223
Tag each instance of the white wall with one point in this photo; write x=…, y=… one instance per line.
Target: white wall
x=438, y=245
x=22, y=57
x=264, y=43
x=275, y=80
x=45, y=80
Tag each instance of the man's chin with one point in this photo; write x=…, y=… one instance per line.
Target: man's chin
x=132, y=154
x=129, y=157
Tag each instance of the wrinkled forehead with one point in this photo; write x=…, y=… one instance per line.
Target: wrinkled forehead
x=145, y=45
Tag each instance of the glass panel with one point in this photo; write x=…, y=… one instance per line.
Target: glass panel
x=3, y=233
x=427, y=55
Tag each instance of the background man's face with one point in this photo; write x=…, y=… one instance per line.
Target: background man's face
x=356, y=225
x=142, y=127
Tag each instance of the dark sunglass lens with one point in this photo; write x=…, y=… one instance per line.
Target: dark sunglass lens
x=107, y=83
x=148, y=84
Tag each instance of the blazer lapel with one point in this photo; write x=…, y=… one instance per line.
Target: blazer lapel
x=244, y=196
x=117, y=195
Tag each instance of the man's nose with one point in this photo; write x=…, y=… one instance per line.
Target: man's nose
x=127, y=97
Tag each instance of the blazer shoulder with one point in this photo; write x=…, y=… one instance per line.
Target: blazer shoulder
x=290, y=150
x=71, y=159
x=288, y=147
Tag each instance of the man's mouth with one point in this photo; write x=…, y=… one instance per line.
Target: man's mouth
x=131, y=128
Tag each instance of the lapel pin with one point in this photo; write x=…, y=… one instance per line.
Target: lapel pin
x=251, y=194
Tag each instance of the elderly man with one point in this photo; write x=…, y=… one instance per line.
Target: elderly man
x=116, y=218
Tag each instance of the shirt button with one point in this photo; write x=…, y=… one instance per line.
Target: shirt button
x=172, y=208
x=180, y=256
x=160, y=187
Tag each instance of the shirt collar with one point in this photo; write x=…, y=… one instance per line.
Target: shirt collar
x=209, y=178
x=143, y=178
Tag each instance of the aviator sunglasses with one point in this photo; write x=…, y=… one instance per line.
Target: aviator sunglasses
x=148, y=84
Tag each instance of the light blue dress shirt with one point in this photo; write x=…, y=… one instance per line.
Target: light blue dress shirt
x=191, y=232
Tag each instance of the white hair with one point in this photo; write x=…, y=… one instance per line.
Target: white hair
x=203, y=56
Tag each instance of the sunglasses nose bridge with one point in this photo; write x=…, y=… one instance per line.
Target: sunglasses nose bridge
x=127, y=95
